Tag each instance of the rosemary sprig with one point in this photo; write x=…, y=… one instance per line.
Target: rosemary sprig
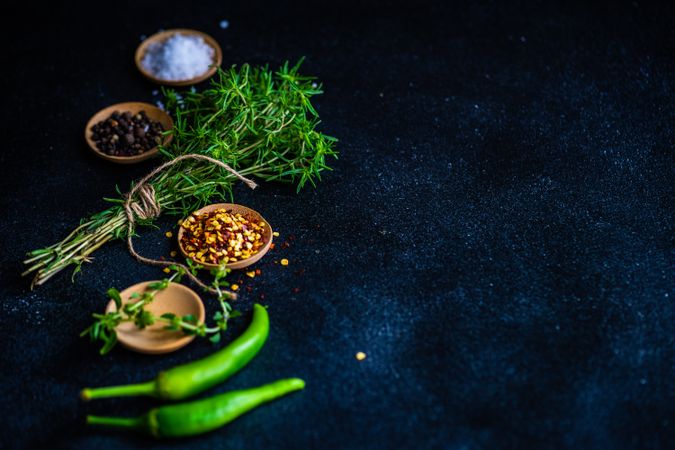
x=260, y=122
x=104, y=328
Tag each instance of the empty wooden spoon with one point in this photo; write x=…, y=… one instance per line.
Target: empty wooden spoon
x=154, y=339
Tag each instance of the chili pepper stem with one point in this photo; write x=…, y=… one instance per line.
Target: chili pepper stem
x=130, y=390
x=116, y=422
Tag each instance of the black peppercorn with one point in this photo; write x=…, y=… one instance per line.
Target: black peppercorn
x=124, y=134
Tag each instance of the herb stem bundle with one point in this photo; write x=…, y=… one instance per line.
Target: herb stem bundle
x=259, y=122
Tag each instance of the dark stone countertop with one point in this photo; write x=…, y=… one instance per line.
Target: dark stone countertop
x=497, y=234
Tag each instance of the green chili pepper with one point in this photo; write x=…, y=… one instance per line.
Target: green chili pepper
x=189, y=379
x=188, y=419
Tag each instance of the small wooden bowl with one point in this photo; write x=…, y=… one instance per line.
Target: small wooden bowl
x=163, y=36
x=244, y=211
x=153, y=113
x=155, y=340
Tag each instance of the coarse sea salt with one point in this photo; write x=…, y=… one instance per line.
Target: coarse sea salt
x=181, y=57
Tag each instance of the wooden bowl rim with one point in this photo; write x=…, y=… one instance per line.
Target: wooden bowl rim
x=169, y=345
x=268, y=236
x=164, y=35
x=152, y=111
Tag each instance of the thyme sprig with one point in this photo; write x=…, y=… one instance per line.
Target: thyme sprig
x=104, y=328
x=260, y=122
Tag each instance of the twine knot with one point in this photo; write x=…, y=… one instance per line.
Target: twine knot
x=147, y=206
x=141, y=203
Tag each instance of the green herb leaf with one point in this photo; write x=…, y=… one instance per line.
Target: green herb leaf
x=189, y=318
x=95, y=330
x=110, y=342
x=193, y=266
x=144, y=319
x=114, y=294
x=158, y=285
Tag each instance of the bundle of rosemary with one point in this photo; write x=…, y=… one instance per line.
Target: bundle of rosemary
x=259, y=122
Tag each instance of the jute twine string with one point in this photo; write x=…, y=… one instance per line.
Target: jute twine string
x=141, y=203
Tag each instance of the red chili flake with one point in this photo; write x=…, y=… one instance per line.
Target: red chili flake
x=291, y=237
x=296, y=290
x=249, y=289
x=258, y=271
x=262, y=296
x=272, y=246
x=300, y=272
x=285, y=245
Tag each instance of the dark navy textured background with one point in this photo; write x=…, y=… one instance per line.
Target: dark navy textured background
x=497, y=234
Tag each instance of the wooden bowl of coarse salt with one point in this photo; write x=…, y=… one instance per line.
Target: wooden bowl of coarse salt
x=178, y=57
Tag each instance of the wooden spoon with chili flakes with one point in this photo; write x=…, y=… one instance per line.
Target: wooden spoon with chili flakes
x=225, y=233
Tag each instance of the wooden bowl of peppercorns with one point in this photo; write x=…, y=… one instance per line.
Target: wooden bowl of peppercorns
x=128, y=133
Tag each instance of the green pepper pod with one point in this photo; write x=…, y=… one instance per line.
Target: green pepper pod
x=188, y=419
x=192, y=378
